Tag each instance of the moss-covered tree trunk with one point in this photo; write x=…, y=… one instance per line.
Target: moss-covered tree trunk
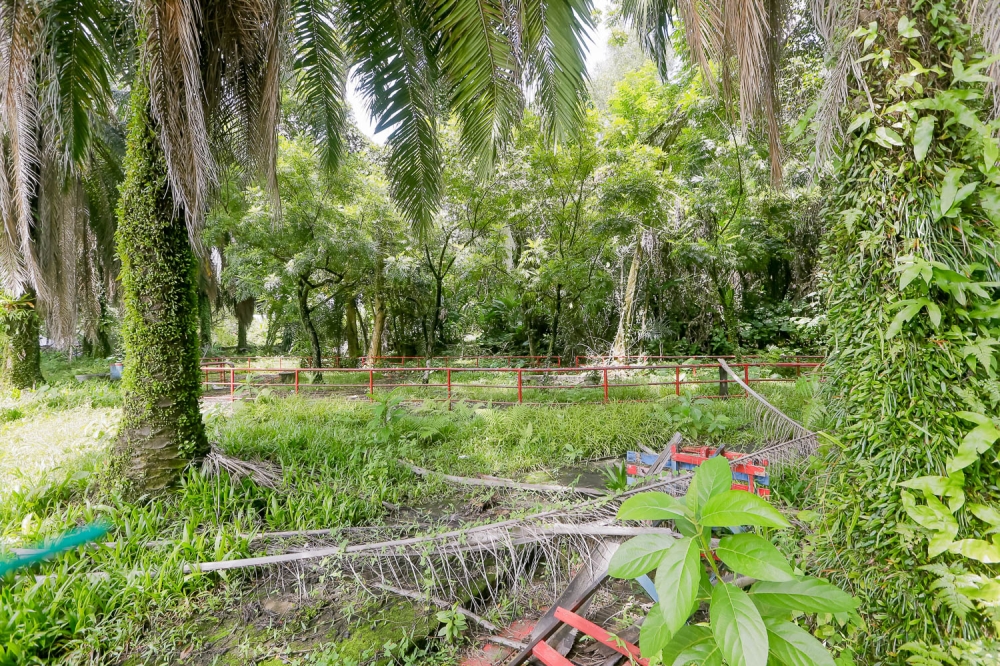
x=912, y=334
x=161, y=430
x=20, y=353
x=205, y=320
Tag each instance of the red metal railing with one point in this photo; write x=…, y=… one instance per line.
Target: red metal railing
x=240, y=380
x=582, y=360
x=337, y=361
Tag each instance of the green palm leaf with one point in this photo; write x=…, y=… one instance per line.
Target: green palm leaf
x=480, y=63
x=75, y=70
x=321, y=75
x=394, y=48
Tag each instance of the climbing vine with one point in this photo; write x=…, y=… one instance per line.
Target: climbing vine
x=911, y=272
x=161, y=427
x=20, y=359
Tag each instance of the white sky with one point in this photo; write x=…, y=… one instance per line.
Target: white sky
x=597, y=53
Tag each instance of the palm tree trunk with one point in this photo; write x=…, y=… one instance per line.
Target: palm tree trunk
x=620, y=346
x=20, y=354
x=161, y=429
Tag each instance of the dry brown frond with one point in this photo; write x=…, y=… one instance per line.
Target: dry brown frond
x=264, y=474
x=984, y=17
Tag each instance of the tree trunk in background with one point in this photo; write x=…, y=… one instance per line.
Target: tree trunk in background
x=353, y=350
x=378, y=321
x=205, y=321
x=620, y=346
x=244, y=318
x=307, y=323
x=20, y=353
x=161, y=430
x=555, y=322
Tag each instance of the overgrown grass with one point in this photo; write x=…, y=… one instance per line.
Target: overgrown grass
x=338, y=471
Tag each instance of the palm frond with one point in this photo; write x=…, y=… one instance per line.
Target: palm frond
x=554, y=52
x=75, y=65
x=834, y=20
x=171, y=57
x=320, y=66
x=479, y=60
x=18, y=148
x=984, y=17
x=391, y=44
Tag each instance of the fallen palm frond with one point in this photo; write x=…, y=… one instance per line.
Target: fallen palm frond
x=440, y=603
x=264, y=474
x=496, y=482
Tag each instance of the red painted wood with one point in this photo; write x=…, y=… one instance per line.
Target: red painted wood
x=546, y=654
x=600, y=635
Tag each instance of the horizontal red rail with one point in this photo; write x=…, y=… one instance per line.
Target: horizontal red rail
x=236, y=378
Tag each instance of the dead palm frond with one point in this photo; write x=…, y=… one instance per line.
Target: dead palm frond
x=733, y=42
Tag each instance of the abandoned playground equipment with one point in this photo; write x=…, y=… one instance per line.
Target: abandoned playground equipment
x=557, y=557
x=500, y=385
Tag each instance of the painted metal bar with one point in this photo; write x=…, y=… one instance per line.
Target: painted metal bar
x=600, y=635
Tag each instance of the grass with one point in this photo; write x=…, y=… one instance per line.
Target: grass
x=340, y=469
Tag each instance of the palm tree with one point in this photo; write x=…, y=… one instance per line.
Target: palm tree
x=58, y=176
x=205, y=93
x=911, y=85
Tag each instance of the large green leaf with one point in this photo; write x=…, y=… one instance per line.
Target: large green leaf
x=677, y=581
x=809, y=595
x=675, y=653
x=794, y=646
x=738, y=507
x=923, y=134
x=712, y=478
x=976, y=442
x=737, y=626
x=977, y=549
x=651, y=506
x=934, y=516
x=639, y=555
x=754, y=556
x=654, y=634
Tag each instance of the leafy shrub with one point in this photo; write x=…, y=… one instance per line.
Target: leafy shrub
x=749, y=629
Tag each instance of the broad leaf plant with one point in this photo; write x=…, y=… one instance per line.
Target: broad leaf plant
x=745, y=628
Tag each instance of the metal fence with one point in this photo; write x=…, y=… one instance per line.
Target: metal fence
x=503, y=385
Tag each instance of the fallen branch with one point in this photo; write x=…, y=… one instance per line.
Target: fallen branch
x=496, y=482
x=440, y=603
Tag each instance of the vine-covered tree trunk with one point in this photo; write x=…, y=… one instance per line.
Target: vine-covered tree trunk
x=910, y=253
x=244, y=318
x=161, y=430
x=20, y=353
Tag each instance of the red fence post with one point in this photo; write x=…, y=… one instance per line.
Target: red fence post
x=232, y=384
x=605, y=384
x=677, y=380
x=519, y=386
x=296, y=381
x=746, y=374
x=448, y=374
x=371, y=384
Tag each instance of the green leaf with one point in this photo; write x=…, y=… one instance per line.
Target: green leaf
x=677, y=582
x=952, y=486
x=933, y=516
x=739, y=507
x=889, y=136
x=754, y=556
x=903, y=316
x=974, y=417
x=680, y=644
x=654, y=635
x=651, y=506
x=977, y=549
x=861, y=119
x=794, y=646
x=806, y=594
x=737, y=626
x=950, y=188
x=989, y=199
x=906, y=31
x=639, y=555
x=987, y=514
x=934, y=312
x=706, y=653
x=712, y=478
x=975, y=443
x=923, y=134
